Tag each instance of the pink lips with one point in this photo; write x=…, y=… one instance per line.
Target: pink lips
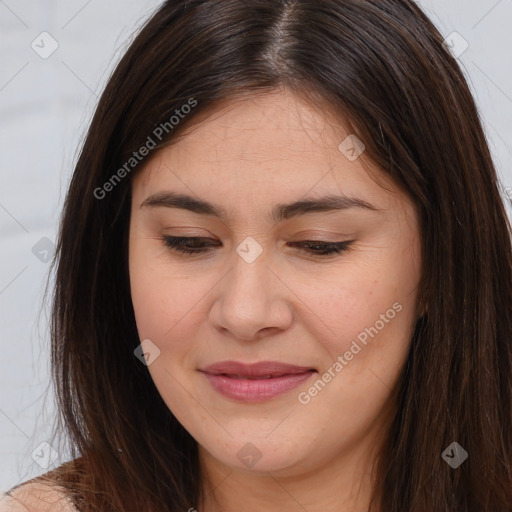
x=255, y=382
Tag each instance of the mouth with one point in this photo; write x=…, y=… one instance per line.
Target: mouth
x=255, y=382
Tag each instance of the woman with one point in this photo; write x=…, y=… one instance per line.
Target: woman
x=283, y=273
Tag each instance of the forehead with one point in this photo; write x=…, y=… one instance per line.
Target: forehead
x=269, y=147
x=275, y=126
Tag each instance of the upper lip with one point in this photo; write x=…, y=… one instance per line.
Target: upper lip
x=260, y=369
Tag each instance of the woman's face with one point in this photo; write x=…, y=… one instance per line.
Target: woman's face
x=258, y=293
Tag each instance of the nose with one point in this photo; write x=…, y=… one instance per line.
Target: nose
x=252, y=301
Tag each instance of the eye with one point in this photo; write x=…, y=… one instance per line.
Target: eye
x=323, y=248
x=187, y=244
x=197, y=245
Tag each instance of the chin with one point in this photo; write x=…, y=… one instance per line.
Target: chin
x=260, y=456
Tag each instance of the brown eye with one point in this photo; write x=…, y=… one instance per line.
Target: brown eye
x=197, y=245
x=187, y=245
x=324, y=248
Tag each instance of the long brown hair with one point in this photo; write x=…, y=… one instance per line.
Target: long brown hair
x=382, y=65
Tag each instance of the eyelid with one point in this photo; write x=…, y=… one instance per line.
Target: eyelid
x=327, y=236
x=178, y=244
x=300, y=237
x=323, y=237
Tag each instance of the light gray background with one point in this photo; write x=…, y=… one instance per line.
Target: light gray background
x=45, y=107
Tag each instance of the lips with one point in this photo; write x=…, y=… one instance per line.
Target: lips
x=255, y=382
x=261, y=370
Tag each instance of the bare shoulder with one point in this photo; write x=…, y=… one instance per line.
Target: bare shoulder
x=36, y=497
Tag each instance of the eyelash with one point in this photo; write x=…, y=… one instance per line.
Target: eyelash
x=179, y=244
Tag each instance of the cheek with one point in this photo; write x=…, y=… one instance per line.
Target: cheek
x=337, y=304
x=371, y=302
x=149, y=291
x=157, y=304
x=350, y=313
x=167, y=299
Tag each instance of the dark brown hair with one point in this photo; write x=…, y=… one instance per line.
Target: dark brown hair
x=382, y=65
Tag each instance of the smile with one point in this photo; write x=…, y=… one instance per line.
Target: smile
x=256, y=382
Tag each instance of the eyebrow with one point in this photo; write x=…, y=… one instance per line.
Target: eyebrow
x=280, y=212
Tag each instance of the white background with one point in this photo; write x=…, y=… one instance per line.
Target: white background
x=45, y=107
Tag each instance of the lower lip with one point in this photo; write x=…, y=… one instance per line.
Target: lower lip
x=255, y=390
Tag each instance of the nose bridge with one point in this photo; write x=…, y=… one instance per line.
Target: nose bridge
x=250, y=299
x=249, y=278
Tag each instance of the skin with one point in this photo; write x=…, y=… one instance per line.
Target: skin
x=287, y=305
